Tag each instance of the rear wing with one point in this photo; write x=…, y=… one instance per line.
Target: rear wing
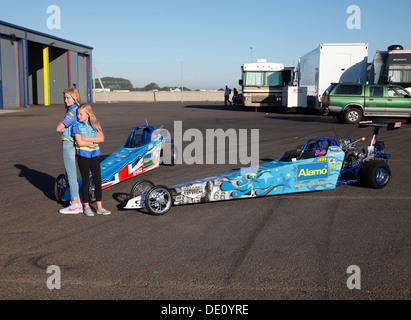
x=389, y=126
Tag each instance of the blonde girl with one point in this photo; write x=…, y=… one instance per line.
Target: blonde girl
x=88, y=134
x=72, y=102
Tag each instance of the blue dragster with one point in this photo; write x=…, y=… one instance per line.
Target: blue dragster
x=321, y=164
x=143, y=151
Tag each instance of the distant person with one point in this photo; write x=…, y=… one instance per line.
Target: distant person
x=88, y=134
x=72, y=102
x=235, y=100
x=227, y=92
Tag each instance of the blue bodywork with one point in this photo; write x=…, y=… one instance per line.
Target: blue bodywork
x=140, y=153
x=317, y=167
x=321, y=164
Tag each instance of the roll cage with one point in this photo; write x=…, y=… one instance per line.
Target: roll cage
x=139, y=136
x=313, y=148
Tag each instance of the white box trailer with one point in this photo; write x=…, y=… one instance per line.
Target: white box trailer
x=331, y=62
x=294, y=98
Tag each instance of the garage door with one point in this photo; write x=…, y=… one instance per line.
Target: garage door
x=83, y=77
x=9, y=49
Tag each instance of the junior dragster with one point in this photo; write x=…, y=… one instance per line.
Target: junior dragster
x=320, y=164
x=145, y=149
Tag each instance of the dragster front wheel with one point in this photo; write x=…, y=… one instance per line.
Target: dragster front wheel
x=140, y=188
x=375, y=174
x=60, y=187
x=158, y=200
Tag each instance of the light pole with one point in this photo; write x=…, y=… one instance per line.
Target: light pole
x=182, y=84
x=251, y=53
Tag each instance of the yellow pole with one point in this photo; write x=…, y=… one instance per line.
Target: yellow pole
x=46, y=75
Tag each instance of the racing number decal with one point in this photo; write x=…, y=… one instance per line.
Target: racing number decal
x=220, y=196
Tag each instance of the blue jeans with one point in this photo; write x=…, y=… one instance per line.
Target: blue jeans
x=69, y=158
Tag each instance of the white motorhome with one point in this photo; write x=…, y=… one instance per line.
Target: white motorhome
x=392, y=66
x=262, y=83
x=331, y=62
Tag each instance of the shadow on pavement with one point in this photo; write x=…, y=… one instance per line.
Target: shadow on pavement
x=40, y=180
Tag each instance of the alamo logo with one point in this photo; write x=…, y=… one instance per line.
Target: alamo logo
x=312, y=171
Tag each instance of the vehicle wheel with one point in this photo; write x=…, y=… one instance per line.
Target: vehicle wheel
x=158, y=200
x=173, y=155
x=168, y=156
x=141, y=187
x=375, y=174
x=352, y=115
x=60, y=187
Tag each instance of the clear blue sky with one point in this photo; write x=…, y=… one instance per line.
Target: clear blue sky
x=149, y=41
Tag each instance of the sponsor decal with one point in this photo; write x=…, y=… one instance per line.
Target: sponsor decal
x=312, y=171
x=334, y=166
x=311, y=184
x=147, y=160
x=192, y=191
x=138, y=171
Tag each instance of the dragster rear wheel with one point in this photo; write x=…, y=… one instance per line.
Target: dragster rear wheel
x=158, y=200
x=168, y=155
x=140, y=188
x=375, y=174
x=60, y=187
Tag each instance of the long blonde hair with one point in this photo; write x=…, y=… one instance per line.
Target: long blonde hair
x=91, y=117
x=75, y=94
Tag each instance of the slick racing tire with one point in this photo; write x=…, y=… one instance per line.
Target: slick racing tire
x=168, y=155
x=60, y=187
x=158, y=200
x=174, y=155
x=140, y=188
x=375, y=174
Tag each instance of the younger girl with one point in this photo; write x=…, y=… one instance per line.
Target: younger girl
x=87, y=133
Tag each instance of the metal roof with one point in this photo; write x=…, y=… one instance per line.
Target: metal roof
x=35, y=36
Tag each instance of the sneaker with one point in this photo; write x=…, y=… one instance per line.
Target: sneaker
x=74, y=208
x=103, y=211
x=88, y=212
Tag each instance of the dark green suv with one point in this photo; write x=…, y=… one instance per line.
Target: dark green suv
x=350, y=102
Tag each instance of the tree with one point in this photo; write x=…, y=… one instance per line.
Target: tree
x=154, y=86
x=115, y=83
x=151, y=86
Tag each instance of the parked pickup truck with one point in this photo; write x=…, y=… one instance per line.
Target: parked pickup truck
x=350, y=102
